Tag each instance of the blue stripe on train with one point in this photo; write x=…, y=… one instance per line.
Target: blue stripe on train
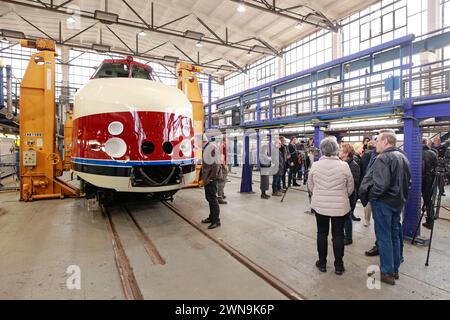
x=129, y=164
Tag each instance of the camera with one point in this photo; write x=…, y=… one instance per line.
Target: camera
x=443, y=165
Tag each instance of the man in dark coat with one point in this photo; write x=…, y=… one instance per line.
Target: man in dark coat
x=210, y=174
x=278, y=161
x=429, y=164
x=284, y=151
x=293, y=162
x=387, y=186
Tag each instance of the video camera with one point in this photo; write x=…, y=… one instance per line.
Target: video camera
x=443, y=165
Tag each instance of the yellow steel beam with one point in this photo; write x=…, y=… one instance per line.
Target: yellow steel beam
x=188, y=83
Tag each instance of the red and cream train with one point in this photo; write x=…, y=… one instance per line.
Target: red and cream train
x=131, y=133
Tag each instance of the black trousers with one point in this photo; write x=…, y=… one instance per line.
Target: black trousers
x=283, y=177
x=427, y=188
x=293, y=174
x=337, y=231
x=211, y=197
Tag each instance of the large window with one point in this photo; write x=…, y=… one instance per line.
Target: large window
x=383, y=22
x=263, y=71
x=234, y=84
x=309, y=52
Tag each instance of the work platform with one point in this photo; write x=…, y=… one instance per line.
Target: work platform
x=40, y=240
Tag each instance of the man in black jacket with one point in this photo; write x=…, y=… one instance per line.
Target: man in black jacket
x=210, y=174
x=293, y=162
x=429, y=164
x=386, y=186
x=284, y=150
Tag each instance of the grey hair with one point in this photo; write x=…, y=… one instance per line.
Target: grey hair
x=329, y=147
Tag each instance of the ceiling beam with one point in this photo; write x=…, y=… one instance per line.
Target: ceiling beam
x=131, y=24
x=285, y=13
x=120, y=39
x=78, y=33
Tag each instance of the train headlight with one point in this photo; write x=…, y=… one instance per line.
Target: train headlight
x=186, y=148
x=115, y=147
x=186, y=131
x=115, y=128
x=186, y=127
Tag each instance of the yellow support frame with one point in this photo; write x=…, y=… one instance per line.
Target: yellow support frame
x=38, y=128
x=188, y=83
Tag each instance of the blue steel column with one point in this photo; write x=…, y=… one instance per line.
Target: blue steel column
x=413, y=149
x=235, y=151
x=270, y=103
x=319, y=135
x=246, y=181
x=258, y=142
x=258, y=106
x=209, y=101
x=2, y=99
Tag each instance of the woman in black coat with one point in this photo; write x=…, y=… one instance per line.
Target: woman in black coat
x=347, y=154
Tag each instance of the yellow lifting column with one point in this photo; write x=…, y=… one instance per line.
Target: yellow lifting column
x=40, y=162
x=188, y=83
x=68, y=129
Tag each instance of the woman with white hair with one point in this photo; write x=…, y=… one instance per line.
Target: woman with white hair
x=331, y=183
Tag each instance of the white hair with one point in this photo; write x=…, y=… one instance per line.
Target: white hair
x=329, y=147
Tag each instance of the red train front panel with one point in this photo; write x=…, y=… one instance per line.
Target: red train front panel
x=150, y=149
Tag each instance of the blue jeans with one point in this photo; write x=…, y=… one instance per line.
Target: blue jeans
x=276, y=184
x=387, y=231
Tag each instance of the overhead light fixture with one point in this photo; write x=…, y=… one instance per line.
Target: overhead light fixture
x=261, y=49
x=142, y=33
x=193, y=34
x=71, y=20
x=227, y=68
x=101, y=48
x=12, y=34
x=299, y=26
x=170, y=59
x=199, y=44
x=4, y=40
x=106, y=17
x=241, y=8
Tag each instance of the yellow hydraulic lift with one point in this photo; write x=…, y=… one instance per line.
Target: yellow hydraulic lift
x=188, y=83
x=68, y=128
x=40, y=162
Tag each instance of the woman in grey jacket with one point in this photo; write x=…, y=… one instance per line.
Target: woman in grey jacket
x=331, y=183
x=265, y=163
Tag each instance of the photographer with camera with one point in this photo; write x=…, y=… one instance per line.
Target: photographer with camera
x=429, y=165
x=293, y=162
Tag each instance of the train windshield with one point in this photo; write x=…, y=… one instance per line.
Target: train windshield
x=112, y=70
x=122, y=70
x=141, y=73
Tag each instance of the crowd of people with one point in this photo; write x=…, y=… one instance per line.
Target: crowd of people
x=375, y=172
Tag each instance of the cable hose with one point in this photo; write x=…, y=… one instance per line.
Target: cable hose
x=154, y=183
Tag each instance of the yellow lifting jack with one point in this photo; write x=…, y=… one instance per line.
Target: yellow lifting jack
x=188, y=83
x=41, y=165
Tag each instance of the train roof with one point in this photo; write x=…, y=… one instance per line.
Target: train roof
x=130, y=61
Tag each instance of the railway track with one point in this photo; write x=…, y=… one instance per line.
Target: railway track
x=251, y=265
x=130, y=285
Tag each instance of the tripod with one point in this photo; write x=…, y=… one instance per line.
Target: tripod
x=434, y=205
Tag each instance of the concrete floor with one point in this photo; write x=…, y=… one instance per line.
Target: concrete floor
x=39, y=240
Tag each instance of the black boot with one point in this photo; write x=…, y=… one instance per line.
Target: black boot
x=428, y=224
